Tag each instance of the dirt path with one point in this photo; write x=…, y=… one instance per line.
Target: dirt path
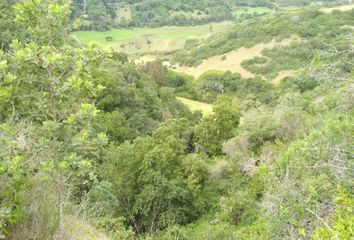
x=231, y=61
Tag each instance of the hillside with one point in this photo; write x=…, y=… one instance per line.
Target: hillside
x=232, y=61
x=247, y=134
x=265, y=47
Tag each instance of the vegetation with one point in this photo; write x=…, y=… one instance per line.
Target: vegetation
x=102, y=15
x=95, y=144
x=310, y=25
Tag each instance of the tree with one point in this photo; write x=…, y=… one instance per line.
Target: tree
x=46, y=116
x=7, y=27
x=154, y=182
x=156, y=70
x=218, y=127
x=45, y=22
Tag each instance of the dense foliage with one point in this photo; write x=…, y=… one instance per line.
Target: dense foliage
x=92, y=142
x=60, y=105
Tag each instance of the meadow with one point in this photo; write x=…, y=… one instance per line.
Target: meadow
x=205, y=108
x=140, y=41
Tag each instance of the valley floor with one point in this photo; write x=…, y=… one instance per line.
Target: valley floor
x=141, y=41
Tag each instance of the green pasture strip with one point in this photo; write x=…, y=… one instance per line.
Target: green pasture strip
x=205, y=108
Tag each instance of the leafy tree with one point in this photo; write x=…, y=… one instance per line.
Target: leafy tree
x=7, y=26
x=132, y=103
x=218, y=127
x=46, y=121
x=45, y=22
x=156, y=70
x=153, y=181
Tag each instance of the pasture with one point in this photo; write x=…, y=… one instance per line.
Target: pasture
x=205, y=108
x=140, y=41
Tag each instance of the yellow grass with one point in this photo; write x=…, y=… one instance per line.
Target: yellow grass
x=232, y=62
x=205, y=108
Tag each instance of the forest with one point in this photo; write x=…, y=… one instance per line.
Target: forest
x=97, y=146
x=102, y=15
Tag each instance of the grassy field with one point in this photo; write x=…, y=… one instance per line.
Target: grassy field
x=205, y=108
x=141, y=41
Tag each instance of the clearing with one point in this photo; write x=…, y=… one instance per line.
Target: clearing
x=140, y=41
x=205, y=108
x=231, y=61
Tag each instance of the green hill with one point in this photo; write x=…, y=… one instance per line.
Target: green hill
x=310, y=26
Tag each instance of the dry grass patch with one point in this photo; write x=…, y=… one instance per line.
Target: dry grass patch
x=231, y=61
